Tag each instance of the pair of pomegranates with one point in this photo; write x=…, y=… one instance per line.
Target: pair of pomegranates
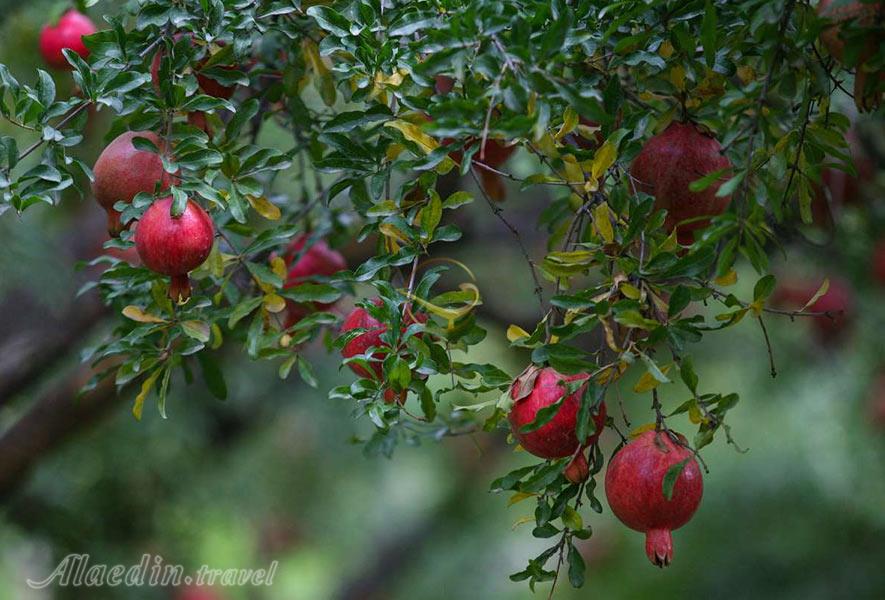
x=634, y=482
x=166, y=244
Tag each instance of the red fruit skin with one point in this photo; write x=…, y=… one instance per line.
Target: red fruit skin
x=577, y=471
x=444, y=84
x=209, y=86
x=669, y=162
x=174, y=246
x=67, y=33
x=122, y=171
x=360, y=318
x=878, y=262
x=634, y=488
x=556, y=438
x=318, y=260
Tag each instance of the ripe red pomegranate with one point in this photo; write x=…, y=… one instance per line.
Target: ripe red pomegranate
x=668, y=163
x=634, y=486
x=360, y=318
x=303, y=267
x=577, y=471
x=67, y=33
x=537, y=388
x=174, y=246
x=879, y=261
x=122, y=171
x=868, y=15
x=444, y=84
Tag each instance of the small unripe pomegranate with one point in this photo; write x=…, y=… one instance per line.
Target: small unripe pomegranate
x=67, y=33
x=174, y=246
x=879, y=261
x=672, y=160
x=319, y=260
x=536, y=389
x=360, y=318
x=444, y=84
x=122, y=171
x=869, y=15
x=634, y=486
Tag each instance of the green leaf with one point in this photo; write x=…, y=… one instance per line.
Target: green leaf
x=198, y=330
x=709, y=28
x=212, y=375
x=305, y=370
x=672, y=475
x=576, y=567
x=764, y=287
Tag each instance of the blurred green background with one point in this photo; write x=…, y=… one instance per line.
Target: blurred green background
x=271, y=474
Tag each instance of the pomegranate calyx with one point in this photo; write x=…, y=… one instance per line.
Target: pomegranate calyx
x=659, y=547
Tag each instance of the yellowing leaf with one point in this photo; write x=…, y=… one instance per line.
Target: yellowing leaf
x=746, y=74
x=630, y=291
x=217, y=338
x=146, y=387
x=415, y=134
x=637, y=431
x=522, y=521
x=646, y=383
x=137, y=314
x=274, y=303
x=515, y=332
x=603, y=159
x=265, y=208
x=569, y=122
x=573, y=171
x=666, y=49
x=602, y=223
x=824, y=287
x=519, y=497
x=278, y=266
x=729, y=278
x=677, y=77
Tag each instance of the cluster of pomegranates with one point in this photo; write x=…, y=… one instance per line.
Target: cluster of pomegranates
x=634, y=482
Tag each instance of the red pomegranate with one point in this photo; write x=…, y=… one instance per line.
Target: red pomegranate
x=577, y=471
x=122, y=171
x=868, y=15
x=319, y=260
x=360, y=318
x=672, y=160
x=634, y=486
x=67, y=33
x=879, y=261
x=174, y=246
x=537, y=388
x=444, y=84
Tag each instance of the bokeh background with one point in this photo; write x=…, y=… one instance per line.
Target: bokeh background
x=272, y=473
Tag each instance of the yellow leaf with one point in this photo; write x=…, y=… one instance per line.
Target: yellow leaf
x=602, y=223
x=393, y=236
x=603, y=159
x=146, y=387
x=695, y=415
x=746, y=74
x=573, y=171
x=519, y=497
x=646, y=383
x=265, y=208
x=824, y=287
x=394, y=150
x=137, y=314
x=217, y=338
x=677, y=77
x=666, y=49
x=630, y=291
x=515, y=332
x=637, y=431
x=274, y=303
x=452, y=314
x=729, y=278
x=523, y=521
x=285, y=340
x=415, y=134
x=569, y=122
x=278, y=266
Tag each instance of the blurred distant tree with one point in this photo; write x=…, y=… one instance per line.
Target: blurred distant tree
x=673, y=137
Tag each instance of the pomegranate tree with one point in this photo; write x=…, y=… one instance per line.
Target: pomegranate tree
x=122, y=171
x=174, y=245
x=654, y=486
x=304, y=266
x=67, y=33
x=667, y=165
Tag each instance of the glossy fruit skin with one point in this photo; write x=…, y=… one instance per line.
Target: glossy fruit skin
x=319, y=260
x=556, y=438
x=174, y=246
x=122, y=171
x=869, y=15
x=67, y=33
x=669, y=162
x=634, y=488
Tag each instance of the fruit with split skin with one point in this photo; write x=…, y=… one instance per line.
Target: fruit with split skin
x=122, y=171
x=634, y=487
x=67, y=33
x=174, y=246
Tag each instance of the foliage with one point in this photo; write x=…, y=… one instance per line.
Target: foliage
x=577, y=86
